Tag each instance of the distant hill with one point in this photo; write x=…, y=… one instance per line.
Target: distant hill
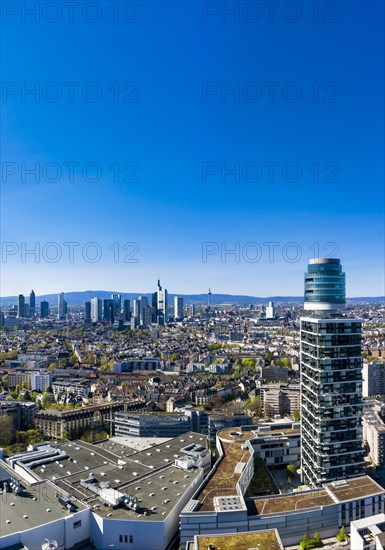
x=78, y=298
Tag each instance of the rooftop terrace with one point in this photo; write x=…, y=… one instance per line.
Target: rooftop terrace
x=339, y=491
x=223, y=482
x=297, y=501
x=263, y=540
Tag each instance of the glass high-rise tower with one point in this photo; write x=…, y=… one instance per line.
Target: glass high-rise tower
x=331, y=379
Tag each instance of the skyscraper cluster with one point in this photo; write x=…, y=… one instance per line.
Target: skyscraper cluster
x=142, y=314
x=25, y=309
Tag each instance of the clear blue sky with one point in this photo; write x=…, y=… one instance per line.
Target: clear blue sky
x=169, y=132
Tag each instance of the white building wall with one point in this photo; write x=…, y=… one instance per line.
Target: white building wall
x=61, y=530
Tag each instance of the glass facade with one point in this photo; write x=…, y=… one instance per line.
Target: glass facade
x=331, y=400
x=324, y=283
x=331, y=379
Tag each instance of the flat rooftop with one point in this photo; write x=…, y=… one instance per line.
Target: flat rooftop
x=357, y=487
x=148, y=474
x=235, y=434
x=138, y=443
x=341, y=491
x=30, y=508
x=263, y=540
x=297, y=501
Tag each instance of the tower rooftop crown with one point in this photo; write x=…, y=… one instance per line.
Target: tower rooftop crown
x=324, y=285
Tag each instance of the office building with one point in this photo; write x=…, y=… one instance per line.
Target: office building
x=44, y=309
x=126, y=311
x=270, y=311
x=151, y=425
x=96, y=310
x=331, y=382
x=142, y=311
x=32, y=304
x=62, y=307
x=87, y=315
x=21, y=306
x=160, y=305
x=117, y=301
x=108, y=311
x=178, y=307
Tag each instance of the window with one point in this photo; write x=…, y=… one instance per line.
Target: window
x=125, y=538
x=77, y=524
x=120, y=538
x=131, y=539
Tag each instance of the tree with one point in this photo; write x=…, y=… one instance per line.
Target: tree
x=254, y=405
x=24, y=385
x=317, y=537
x=297, y=416
x=341, y=537
x=217, y=401
x=7, y=430
x=46, y=400
x=291, y=469
x=29, y=437
x=248, y=362
x=284, y=363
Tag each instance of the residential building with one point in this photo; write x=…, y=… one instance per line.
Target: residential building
x=34, y=380
x=22, y=413
x=280, y=400
x=331, y=380
x=374, y=432
x=64, y=423
x=145, y=364
x=373, y=378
